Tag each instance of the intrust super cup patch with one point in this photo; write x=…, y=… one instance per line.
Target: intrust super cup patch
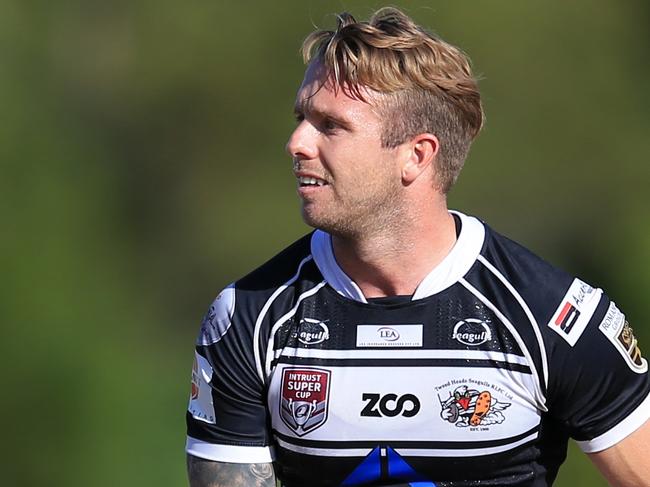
x=304, y=398
x=575, y=310
x=620, y=333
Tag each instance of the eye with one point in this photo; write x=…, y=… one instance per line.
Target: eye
x=328, y=126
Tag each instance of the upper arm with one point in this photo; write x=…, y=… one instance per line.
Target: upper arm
x=601, y=390
x=227, y=416
x=599, y=386
x=206, y=473
x=625, y=464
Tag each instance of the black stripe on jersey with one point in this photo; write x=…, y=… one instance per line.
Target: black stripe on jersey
x=416, y=445
x=405, y=362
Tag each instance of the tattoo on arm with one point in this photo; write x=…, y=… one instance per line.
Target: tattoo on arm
x=206, y=473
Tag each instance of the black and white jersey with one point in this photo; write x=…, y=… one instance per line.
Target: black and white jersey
x=479, y=378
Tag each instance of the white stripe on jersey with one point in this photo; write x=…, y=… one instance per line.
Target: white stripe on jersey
x=407, y=452
x=541, y=400
x=401, y=354
x=265, y=309
x=229, y=453
x=283, y=320
x=325, y=452
x=529, y=314
x=625, y=428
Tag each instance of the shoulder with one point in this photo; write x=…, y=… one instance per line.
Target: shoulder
x=562, y=303
x=523, y=268
x=244, y=299
x=543, y=286
x=280, y=268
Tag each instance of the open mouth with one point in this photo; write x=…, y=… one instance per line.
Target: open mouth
x=309, y=181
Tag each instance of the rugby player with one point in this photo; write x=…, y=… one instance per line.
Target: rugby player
x=402, y=343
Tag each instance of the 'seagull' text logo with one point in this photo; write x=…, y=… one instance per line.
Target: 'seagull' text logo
x=472, y=332
x=312, y=331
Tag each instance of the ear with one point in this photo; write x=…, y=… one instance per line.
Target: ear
x=421, y=153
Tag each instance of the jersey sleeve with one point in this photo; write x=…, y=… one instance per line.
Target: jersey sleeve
x=598, y=380
x=227, y=418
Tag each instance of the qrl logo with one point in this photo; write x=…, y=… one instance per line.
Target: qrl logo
x=304, y=398
x=390, y=405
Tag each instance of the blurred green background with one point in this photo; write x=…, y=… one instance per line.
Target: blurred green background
x=142, y=169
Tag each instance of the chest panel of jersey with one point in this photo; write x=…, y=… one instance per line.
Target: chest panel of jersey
x=480, y=381
x=443, y=378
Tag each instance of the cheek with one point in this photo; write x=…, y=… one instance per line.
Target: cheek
x=353, y=156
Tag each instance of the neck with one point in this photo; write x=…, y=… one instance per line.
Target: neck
x=395, y=261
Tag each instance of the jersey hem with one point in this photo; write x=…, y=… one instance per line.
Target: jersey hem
x=623, y=429
x=229, y=453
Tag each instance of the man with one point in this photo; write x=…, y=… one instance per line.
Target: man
x=401, y=343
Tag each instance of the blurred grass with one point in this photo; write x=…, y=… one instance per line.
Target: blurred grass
x=142, y=163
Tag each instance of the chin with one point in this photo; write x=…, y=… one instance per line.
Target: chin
x=316, y=220
x=313, y=220
x=341, y=228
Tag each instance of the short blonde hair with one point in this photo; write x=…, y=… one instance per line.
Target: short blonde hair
x=427, y=84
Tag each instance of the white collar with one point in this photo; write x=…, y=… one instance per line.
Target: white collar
x=454, y=266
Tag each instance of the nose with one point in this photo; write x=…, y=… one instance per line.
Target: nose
x=301, y=144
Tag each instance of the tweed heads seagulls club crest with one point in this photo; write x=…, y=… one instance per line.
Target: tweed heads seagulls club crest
x=471, y=407
x=304, y=399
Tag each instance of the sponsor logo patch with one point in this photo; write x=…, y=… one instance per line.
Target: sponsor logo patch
x=194, y=394
x=201, y=406
x=472, y=332
x=620, y=333
x=217, y=320
x=304, y=399
x=389, y=405
x=576, y=309
x=312, y=331
x=389, y=335
x=567, y=317
x=473, y=404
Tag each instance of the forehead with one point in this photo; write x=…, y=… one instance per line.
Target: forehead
x=319, y=92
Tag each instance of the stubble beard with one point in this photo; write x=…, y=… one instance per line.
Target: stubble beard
x=370, y=215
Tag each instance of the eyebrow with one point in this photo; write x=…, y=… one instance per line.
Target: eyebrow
x=305, y=107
